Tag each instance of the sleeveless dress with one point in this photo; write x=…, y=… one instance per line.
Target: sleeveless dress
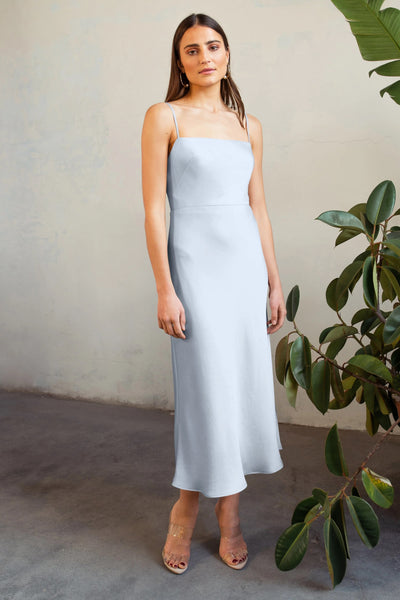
x=225, y=424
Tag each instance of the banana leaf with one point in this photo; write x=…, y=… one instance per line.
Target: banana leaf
x=377, y=33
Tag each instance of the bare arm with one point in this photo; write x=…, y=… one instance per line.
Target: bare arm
x=258, y=205
x=156, y=133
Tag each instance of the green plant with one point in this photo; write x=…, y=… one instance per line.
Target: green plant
x=378, y=36
x=370, y=377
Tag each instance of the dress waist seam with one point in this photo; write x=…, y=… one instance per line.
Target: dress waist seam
x=216, y=204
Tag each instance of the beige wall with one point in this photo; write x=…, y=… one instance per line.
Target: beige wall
x=78, y=302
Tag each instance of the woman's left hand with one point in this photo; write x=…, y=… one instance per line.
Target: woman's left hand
x=277, y=310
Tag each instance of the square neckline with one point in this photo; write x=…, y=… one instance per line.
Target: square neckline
x=193, y=137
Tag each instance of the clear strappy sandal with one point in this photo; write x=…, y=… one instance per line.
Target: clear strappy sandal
x=236, y=559
x=184, y=533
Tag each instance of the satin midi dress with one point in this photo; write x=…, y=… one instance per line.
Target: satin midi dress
x=225, y=424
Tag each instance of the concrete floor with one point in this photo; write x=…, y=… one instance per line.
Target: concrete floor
x=85, y=497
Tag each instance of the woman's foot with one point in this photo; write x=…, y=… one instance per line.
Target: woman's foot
x=176, y=551
x=232, y=547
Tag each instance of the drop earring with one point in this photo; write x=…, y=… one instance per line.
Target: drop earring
x=180, y=77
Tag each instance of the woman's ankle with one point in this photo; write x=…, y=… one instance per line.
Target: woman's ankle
x=186, y=510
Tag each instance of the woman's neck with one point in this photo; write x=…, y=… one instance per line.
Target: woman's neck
x=206, y=98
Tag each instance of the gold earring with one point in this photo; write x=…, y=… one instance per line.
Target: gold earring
x=227, y=72
x=180, y=77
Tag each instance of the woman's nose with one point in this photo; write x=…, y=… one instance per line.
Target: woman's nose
x=204, y=57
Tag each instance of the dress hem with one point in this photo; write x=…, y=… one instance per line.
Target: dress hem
x=230, y=493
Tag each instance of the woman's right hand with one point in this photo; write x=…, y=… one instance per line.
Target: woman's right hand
x=171, y=314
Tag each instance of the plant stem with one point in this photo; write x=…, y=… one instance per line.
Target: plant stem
x=353, y=478
x=372, y=452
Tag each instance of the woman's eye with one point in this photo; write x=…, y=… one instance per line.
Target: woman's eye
x=214, y=47
x=191, y=51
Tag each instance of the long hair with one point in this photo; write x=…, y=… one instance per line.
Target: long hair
x=229, y=91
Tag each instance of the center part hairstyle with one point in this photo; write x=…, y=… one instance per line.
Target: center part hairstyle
x=229, y=91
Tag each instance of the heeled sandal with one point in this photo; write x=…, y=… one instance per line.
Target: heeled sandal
x=240, y=555
x=184, y=533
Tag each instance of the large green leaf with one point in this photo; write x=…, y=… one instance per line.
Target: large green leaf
x=341, y=219
x=369, y=396
x=303, y=508
x=378, y=488
x=383, y=401
x=300, y=361
x=388, y=292
x=348, y=278
x=393, y=90
x=339, y=331
x=392, y=279
x=395, y=360
x=349, y=381
x=335, y=551
x=335, y=347
x=345, y=235
x=367, y=20
x=362, y=314
x=377, y=340
x=337, y=514
x=384, y=421
x=336, y=384
x=377, y=33
x=334, y=302
x=323, y=500
x=392, y=242
x=390, y=258
x=292, y=303
x=337, y=404
x=370, y=364
x=371, y=422
x=364, y=519
x=390, y=69
x=321, y=385
x=360, y=211
x=369, y=324
x=291, y=546
x=370, y=282
x=381, y=201
x=391, y=331
x=291, y=386
x=334, y=457
x=282, y=358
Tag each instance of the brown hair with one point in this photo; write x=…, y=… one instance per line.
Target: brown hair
x=229, y=90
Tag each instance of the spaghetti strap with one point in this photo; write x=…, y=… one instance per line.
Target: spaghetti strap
x=247, y=127
x=173, y=114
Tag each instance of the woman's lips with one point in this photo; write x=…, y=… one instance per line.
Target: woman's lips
x=207, y=71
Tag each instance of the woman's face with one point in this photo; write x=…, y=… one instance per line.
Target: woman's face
x=203, y=55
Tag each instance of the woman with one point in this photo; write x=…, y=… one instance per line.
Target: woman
x=213, y=275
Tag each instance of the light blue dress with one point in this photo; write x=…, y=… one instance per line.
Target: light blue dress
x=225, y=424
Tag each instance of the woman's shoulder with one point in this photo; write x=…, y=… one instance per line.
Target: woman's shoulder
x=158, y=109
x=253, y=121
x=255, y=128
x=158, y=117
